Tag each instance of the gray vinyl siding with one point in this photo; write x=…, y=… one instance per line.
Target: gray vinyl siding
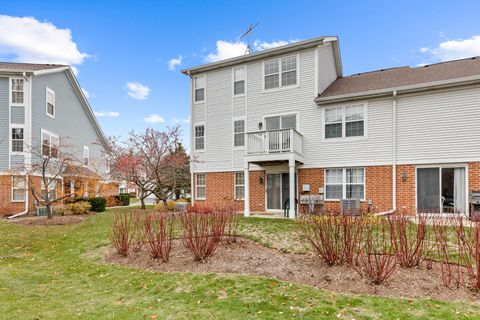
x=17, y=162
x=71, y=122
x=17, y=115
x=4, y=125
x=327, y=72
x=439, y=127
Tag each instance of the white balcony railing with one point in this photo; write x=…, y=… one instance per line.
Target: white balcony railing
x=274, y=141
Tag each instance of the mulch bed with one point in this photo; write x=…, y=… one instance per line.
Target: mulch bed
x=249, y=258
x=44, y=221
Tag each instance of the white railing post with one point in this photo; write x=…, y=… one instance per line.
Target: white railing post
x=291, y=140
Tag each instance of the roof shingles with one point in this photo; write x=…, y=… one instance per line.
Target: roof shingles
x=402, y=76
x=27, y=67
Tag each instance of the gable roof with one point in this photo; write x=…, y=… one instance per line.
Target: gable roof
x=292, y=47
x=37, y=69
x=401, y=77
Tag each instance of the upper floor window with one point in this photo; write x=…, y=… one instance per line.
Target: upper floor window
x=50, y=107
x=49, y=189
x=86, y=155
x=346, y=183
x=239, y=133
x=199, y=86
x=17, y=90
x=280, y=72
x=49, y=144
x=288, y=121
x=239, y=80
x=200, y=137
x=18, y=188
x=17, y=139
x=201, y=186
x=345, y=122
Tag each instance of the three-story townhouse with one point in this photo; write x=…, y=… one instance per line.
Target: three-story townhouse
x=285, y=124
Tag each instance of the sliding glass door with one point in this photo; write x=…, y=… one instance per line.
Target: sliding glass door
x=441, y=190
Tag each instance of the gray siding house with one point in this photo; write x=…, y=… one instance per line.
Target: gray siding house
x=42, y=107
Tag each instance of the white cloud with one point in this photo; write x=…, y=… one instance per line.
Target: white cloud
x=226, y=49
x=154, y=118
x=28, y=40
x=455, y=49
x=174, y=62
x=137, y=90
x=107, y=114
x=177, y=120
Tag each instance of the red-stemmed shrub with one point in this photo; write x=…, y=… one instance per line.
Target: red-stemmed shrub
x=410, y=239
x=376, y=259
x=471, y=254
x=231, y=225
x=333, y=237
x=138, y=221
x=199, y=208
x=158, y=231
x=122, y=233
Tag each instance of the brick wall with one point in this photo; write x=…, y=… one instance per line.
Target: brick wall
x=473, y=176
x=220, y=190
x=406, y=189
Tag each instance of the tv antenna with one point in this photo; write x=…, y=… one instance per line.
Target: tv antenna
x=246, y=35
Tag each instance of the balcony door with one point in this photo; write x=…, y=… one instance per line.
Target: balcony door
x=441, y=190
x=278, y=190
x=277, y=139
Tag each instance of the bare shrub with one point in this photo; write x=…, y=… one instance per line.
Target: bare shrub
x=333, y=237
x=376, y=257
x=158, y=232
x=122, y=233
x=471, y=254
x=138, y=220
x=231, y=225
x=410, y=239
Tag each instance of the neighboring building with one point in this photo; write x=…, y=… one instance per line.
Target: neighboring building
x=267, y=124
x=40, y=106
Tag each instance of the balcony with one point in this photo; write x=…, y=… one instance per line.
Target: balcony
x=274, y=142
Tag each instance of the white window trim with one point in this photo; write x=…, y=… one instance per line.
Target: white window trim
x=204, y=76
x=48, y=90
x=280, y=87
x=203, y=185
x=344, y=183
x=344, y=137
x=24, y=189
x=49, y=187
x=10, y=91
x=235, y=185
x=10, y=136
x=244, y=133
x=51, y=134
x=244, y=81
x=196, y=124
x=86, y=154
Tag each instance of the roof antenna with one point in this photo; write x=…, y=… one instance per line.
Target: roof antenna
x=247, y=36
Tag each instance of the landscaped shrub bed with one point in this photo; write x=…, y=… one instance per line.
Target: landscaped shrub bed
x=200, y=232
x=98, y=204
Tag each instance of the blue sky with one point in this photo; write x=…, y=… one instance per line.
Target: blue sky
x=114, y=43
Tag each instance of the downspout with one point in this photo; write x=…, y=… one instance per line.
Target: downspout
x=26, y=201
x=394, y=155
x=192, y=177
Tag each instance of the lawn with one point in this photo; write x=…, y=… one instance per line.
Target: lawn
x=55, y=272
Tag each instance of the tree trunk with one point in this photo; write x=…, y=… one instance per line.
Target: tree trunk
x=142, y=201
x=49, y=212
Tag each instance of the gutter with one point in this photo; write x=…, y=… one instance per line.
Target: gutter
x=401, y=89
x=26, y=201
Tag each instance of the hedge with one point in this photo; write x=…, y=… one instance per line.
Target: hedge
x=124, y=199
x=98, y=204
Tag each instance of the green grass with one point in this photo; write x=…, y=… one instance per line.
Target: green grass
x=57, y=274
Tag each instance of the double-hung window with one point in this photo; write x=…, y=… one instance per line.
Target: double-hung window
x=199, y=86
x=18, y=86
x=49, y=144
x=345, y=122
x=280, y=72
x=239, y=185
x=346, y=183
x=86, y=155
x=201, y=186
x=200, y=137
x=49, y=189
x=239, y=133
x=239, y=80
x=18, y=188
x=50, y=107
x=17, y=139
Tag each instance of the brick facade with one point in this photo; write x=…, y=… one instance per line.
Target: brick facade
x=406, y=189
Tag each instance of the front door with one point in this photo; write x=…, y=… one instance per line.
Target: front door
x=277, y=190
x=441, y=190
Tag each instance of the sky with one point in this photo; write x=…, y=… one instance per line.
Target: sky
x=128, y=54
